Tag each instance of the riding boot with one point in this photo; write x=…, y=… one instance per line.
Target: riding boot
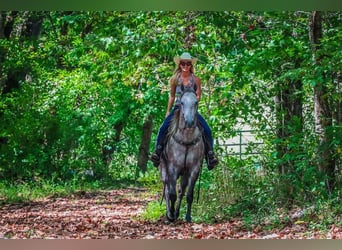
x=210, y=157
x=155, y=157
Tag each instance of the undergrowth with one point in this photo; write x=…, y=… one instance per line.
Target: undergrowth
x=20, y=191
x=223, y=195
x=239, y=193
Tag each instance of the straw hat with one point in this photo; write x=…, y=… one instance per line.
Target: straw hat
x=185, y=56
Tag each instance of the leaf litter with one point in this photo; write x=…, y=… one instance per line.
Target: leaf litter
x=115, y=214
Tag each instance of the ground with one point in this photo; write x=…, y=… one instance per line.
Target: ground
x=115, y=214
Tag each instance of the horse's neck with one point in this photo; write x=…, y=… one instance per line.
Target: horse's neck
x=186, y=134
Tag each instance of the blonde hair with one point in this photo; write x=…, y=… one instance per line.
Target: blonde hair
x=176, y=73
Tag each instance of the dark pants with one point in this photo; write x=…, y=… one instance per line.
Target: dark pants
x=164, y=127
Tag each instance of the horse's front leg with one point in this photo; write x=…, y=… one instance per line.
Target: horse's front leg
x=189, y=200
x=166, y=190
x=181, y=192
x=167, y=198
x=190, y=196
x=170, y=198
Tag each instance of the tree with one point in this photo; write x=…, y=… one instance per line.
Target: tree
x=323, y=102
x=144, y=149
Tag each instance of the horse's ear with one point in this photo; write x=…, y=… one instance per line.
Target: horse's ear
x=190, y=90
x=187, y=89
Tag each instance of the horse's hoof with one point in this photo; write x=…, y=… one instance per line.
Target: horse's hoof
x=167, y=222
x=170, y=219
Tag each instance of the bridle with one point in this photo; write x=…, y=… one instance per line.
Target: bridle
x=198, y=138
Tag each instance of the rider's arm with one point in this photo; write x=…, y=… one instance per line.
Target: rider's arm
x=198, y=90
x=171, y=99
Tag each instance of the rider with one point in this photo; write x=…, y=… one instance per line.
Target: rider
x=184, y=77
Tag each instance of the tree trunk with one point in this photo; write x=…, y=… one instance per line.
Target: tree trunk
x=109, y=146
x=145, y=144
x=2, y=24
x=323, y=112
x=289, y=111
x=19, y=25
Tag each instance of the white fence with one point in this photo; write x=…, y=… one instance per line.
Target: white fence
x=244, y=143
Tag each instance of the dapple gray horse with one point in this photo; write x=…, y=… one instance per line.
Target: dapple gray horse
x=182, y=157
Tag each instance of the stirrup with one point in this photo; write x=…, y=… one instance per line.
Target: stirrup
x=155, y=158
x=212, y=161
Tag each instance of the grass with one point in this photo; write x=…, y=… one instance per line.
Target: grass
x=153, y=211
x=29, y=191
x=24, y=192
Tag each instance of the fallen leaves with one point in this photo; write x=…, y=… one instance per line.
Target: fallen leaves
x=115, y=215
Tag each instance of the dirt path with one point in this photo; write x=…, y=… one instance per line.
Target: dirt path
x=115, y=214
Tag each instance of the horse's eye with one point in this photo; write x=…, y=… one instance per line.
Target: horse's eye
x=182, y=103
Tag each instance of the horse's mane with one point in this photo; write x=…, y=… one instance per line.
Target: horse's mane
x=174, y=123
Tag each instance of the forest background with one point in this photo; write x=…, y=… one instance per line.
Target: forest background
x=84, y=93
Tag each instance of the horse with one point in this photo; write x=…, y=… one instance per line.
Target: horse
x=182, y=156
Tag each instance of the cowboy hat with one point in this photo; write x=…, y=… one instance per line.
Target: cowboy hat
x=186, y=57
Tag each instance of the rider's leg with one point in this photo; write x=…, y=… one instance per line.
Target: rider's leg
x=155, y=157
x=210, y=157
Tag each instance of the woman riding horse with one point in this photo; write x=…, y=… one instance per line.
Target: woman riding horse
x=184, y=153
x=182, y=78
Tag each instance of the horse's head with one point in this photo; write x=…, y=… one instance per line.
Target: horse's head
x=189, y=105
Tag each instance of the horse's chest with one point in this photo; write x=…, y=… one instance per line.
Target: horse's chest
x=182, y=155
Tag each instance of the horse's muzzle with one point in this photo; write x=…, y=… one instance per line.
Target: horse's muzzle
x=189, y=124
